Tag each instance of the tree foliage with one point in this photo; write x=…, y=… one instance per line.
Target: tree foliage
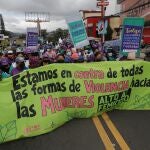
x=55, y=35
x=109, y=34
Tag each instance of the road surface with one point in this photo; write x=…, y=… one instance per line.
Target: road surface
x=113, y=130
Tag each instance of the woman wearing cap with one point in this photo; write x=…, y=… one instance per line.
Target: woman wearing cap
x=99, y=57
x=34, y=62
x=60, y=58
x=68, y=56
x=20, y=66
x=11, y=57
x=5, y=67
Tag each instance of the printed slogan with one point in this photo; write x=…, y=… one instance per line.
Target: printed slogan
x=40, y=100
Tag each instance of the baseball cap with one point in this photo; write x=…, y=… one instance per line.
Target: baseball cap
x=20, y=59
x=18, y=50
x=10, y=52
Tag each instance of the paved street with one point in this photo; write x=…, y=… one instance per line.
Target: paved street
x=64, y=59
x=114, y=130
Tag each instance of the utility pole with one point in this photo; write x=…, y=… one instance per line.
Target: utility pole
x=38, y=18
x=103, y=15
x=102, y=5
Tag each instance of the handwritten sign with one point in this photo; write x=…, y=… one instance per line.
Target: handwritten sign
x=32, y=38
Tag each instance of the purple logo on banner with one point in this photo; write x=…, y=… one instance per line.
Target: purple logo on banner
x=131, y=38
x=32, y=39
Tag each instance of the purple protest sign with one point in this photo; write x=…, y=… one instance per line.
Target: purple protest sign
x=32, y=39
x=131, y=38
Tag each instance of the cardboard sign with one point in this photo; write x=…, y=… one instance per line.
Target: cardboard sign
x=131, y=38
x=78, y=33
x=32, y=37
x=132, y=35
x=1, y=36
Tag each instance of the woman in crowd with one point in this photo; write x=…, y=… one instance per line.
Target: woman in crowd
x=5, y=67
x=20, y=66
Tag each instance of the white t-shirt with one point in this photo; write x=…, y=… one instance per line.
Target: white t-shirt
x=26, y=64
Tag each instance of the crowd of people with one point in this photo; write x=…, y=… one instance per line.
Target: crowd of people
x=14, y=62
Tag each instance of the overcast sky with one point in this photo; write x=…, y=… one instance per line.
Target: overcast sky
x=13, y=12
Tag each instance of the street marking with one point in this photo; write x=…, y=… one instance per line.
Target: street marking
x=102, y=133
x=123, y=145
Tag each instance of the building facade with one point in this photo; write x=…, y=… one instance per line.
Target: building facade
x=137, y=8
x=91, y=19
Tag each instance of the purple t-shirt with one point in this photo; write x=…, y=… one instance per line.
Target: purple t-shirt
x=17, y=71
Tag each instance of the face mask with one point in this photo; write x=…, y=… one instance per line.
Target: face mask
x=68, y=53
x=110, y=54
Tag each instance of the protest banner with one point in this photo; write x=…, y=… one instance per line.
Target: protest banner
x=32, y=38
x=77, y=32
x=132, y=35
x=40, y=100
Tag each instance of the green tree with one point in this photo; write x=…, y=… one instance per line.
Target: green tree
x=44, y=33
x=108, y=36
x=22, y=36
x=58, y=33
